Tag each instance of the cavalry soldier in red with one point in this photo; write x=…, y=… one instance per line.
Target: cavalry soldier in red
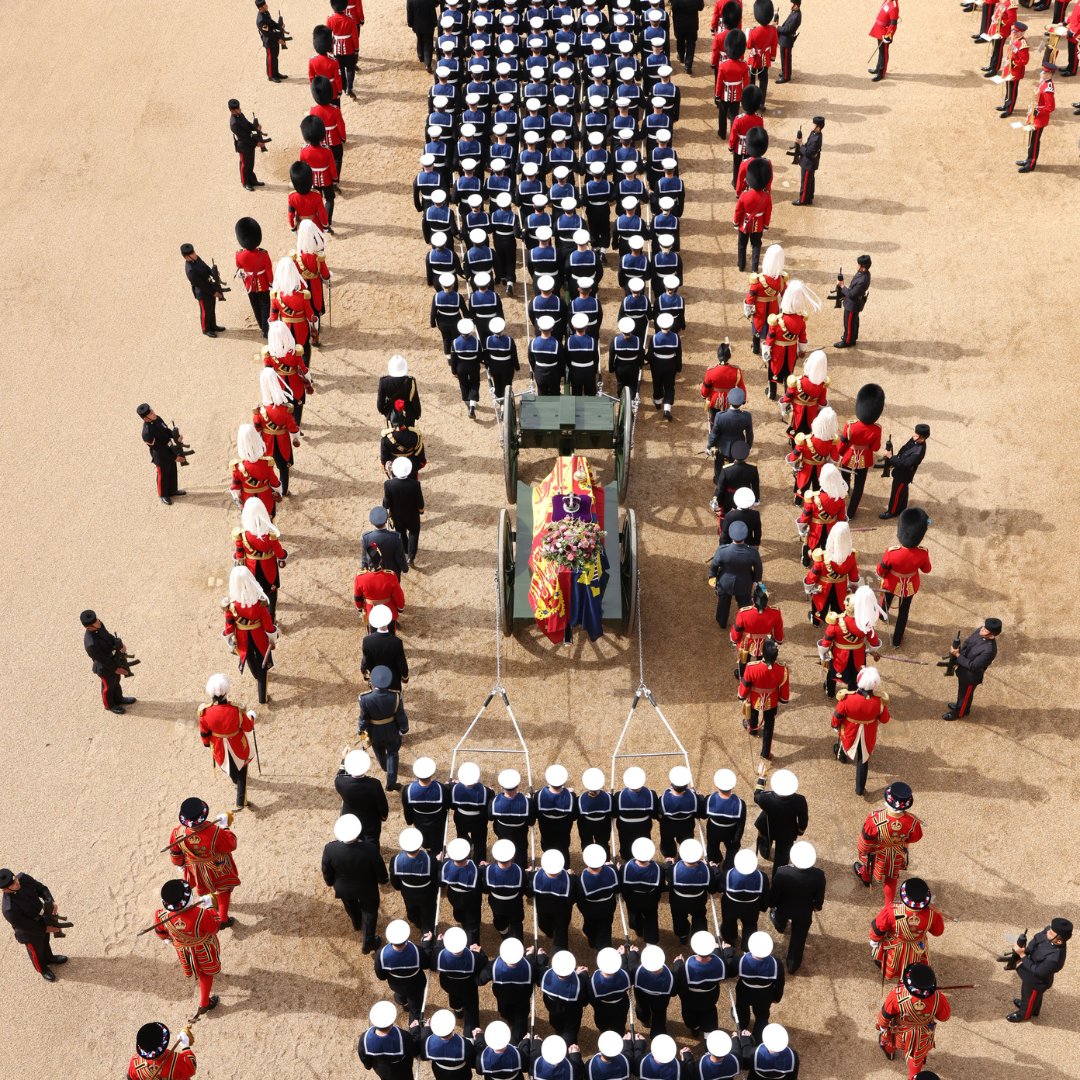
x=324, y=170
x=753, y=625
x=249, y=626
x=255, y=269
x=822, y=509
x=763, y=296
x=900, y=566
x=275, y=422
x=303, y=201
x=204, y=850
x=860, y=441
x=909, y=1016
x=311, y=263
x=764, y=685
x=191, y=927
x=806, y=394
x=224, y=729
x=258, y=547
x=884, y=30
x=884, y=840
x=346, y=43
x=786, y=336
x=842, y=648
x=253, y=473
x=834, y=570
x=1039, y=116
x=290, y=303
x=322, y=90
x=811, y=452
x=720, y=380
x=154, y=1059
x=287, y=359
x=855, y=720
x=899, y=930
x=1013, y=67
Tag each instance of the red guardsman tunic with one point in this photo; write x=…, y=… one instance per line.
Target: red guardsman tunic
x=764, y=294
x=223, y=727
x=845, y=641
x=832, y=581
x=856, y=718
x=260, y=554
x=172, y=1065
x=252, y=624
x=899, y=570
x=256, y=479
x=751, y=627
x=275, y=422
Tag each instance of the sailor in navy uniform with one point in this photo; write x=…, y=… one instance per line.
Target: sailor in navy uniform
x=612, y=1062
x=449, y=1054
x=595, y=811
x=425, y=804
x=460, y=877
x=626, y=357
x=760, y=983
x=512, y=976
x=654, y=985
x=413, y=873
x=678, y=811
x=725, y=819
x=773, y=1059
x=470, y=799
x=553, y=891
x=745, y=890
x=597, y=896
x=718, y=1062
x=400, y=963
x=636, y=807
x=505, y=883
x=565, y=989
x=511, y=814
x=496, y=1058
x=642, y=882
x=547, y=359
x=458, y=965
x=691, y=881
x=610, y=987
x=384, y=1048
x=447, y=310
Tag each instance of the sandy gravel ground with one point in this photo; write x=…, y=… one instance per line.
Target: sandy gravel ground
x=118, y=151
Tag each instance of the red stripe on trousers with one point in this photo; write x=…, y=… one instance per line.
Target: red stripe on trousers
x=1033, y=153
x=884, y=58
x=849, y=317
x=34, y=957
x=269, y=64
x=202, y=323
x=243, y=178
x=157, y=469
x=896, y=500
x=805, y=184
x=1027, y=1011
x=965, y=702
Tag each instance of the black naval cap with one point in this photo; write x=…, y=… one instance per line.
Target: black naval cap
x=993, y=626
x=143, y=410
x=88, y=616
x=6, y=877
x=865, y=261
x=1020, y=26
x=260, y=3
x=187, y=249
x=922, y=430
x=152, y=1040
x=1062, y=927
x=381, y=677
x=819, y=121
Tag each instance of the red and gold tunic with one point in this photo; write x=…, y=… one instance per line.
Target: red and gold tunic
x=764, y=294
x=372, y=587
x=846, y=642
x=718, y=382
x=293, y=371
x=205, y=851
x=806, y=399
x=252, y=624
x=807, y=457
x=314, y=271
x=763, y=686
x=899, y=570
x=884, y=839
x=898, y=935
x=172, y=1065
x=820, y=512
x=832, y=581
x=751, y=627
x=193, y=934
x=223, y=727
x=786, y=333
x=261, y=555
x=1002, y=19
x=855, y=720
x=858, y=444
x=295, y=310
x=909, y=1021
x=256, y=480
x=275, y=423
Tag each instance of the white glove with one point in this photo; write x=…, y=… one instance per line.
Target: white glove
x=183, y=1041
x=206, y=901
x=748, y=310
x=823, y=652
x=231, y=641
x=802, y=349
x=251, y=714
x=236, y=499
x=273, y=638
x=811, y=590
x=222, y=820
x=804, y=529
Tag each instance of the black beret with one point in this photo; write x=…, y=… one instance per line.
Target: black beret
x=143, y=410
x=1062, y=927
x=993, y=625
x=233, y=103
x=6, y=878
x=187, y=249
x=88, y=616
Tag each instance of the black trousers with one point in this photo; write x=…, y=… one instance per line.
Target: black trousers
x=239, y=776
x=663, y=385
x=686, y=46
x=1030, y=999
x=629, y=831
x=882, y=65
x=410, y=538
x=504, y=269
x=555, y=835
x=761, y=78
x=39, y=949
x=785, y=63
x=599, y=221
x=994, y=63
x=553, y=919
x=732, y=914
x=167, y=485
x=612, y=1015
x=699, y=1009
x=364, y=919
x=673, y=831
x=464, y=995
x=420, y=907
x=328, y=198
x=475, y=830
x=448, y=329
x=339, y=156
x=1011, y=88
x=207, y=312
x=754, y=240
x=851, y=327
x=469, y=383
x=715, y=835
x=410, y=993
x=508, y=918
x=900, y=625
x=596, y=923
x=723, y=606
x=260, y=308
x=806, y=186
x=565, y=1019
x=651, y=1010
x=725, y=111
x=688, y=916
x=644, y=920
x=768, y=722
x=760, y=1001
x=514, y=1006
x=898, y=495
x=425, y=46
x=467, y=914
x=272, y=52
x=283, y=467
x=110, y=690
x=965, y=691
x=799, y=930
x=628, y=377
x=347, y=64
x=595, y=832
x=1034, y=139
x=247, y=167
x=856, y=479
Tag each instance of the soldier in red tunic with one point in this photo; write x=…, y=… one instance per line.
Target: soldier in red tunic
x=764, y=685
x=255, y=269
x=732, y=76
x=884, y=839
x=834, y=570
x=884, y=30
x=378, y=585
x=900, y=566
x=204, y=850
x=821, y=510
x=754, y=625
x=256, y=546
x=290, y=303
x=191, y=926
x=323, y=63
x=805, y=394
x=303, y=201
x=322, y=90
x=763, y=296
x=855, y=720
x=812, y=452
x=860, y=440
x=842, y=648
x=317, y=156
x=757, y=146
x=786, y=336
x=719, y=380
x=909, y=1016
x=253, y=473
x=899, y=930
x=1001, y=24
x=311, y=263
x=1013, y=67
x=741, y=127
x=343, y=25
x=762, y=43
x=287, y=359
x=224, y=729
x=1039, y=116
x=275, y=421
x=249, y=626
x=154, y=1059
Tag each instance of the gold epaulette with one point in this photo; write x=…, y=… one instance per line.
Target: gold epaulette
x=802, y=439
x=236, y=533
x=773, y=320
x=305, y=294
x=235, y=463
x=826, y=382
x=203, y=708
x=842, y=692
x=746, y=608
x=298, y=350
x=264, y=352
x=793, y=380
x=832, y=618
x=818, y=554
x=883, y=696
x=754, y=278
